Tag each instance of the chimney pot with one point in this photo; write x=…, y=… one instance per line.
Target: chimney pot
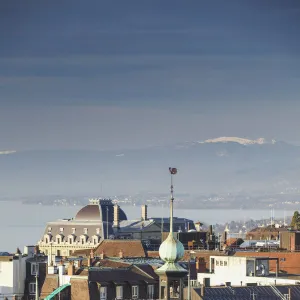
x=116, y=216
x=71, y=269
x=144, y=212
x=121, y=255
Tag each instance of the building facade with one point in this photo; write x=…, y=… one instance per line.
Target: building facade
x=92, y=224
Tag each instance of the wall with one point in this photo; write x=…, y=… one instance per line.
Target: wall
x=79, y=289
x=289, y=262
x=235, y=269
x=12, y=276
x=6, y=277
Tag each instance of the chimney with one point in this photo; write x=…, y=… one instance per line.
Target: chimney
x=144, y=213
x=116, y=216
x=71, y=269
x=79, y=263
x=102, y=255
x=121, y=254
x=92, y=254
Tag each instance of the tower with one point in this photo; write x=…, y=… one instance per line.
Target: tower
x=171, y=274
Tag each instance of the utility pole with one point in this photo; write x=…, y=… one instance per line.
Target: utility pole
x=107, y=221
x=36, y=279
x=189, y=282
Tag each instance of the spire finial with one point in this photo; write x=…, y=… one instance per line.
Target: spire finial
x=173, y=171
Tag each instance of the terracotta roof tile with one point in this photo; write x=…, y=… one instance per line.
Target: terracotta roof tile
x=50, y=284
x=112, y=248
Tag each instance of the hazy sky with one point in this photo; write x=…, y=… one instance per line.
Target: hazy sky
x=127, y=74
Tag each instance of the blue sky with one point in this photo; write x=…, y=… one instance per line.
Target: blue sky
x=129, y=74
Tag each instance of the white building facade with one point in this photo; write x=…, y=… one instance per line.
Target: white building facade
x=240, y=271
x=12, y=276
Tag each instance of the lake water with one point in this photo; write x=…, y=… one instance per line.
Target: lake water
x=22, y=225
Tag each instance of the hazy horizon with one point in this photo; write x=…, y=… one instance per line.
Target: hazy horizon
x=105, y=75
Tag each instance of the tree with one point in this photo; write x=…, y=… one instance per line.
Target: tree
x=296, y=220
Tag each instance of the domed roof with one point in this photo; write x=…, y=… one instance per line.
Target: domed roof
x=89, y=212
x=171, y=250
x=98, y=211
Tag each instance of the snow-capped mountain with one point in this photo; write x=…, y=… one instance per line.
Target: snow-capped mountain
x=213, y=165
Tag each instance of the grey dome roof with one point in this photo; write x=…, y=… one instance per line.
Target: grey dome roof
x=98, y=212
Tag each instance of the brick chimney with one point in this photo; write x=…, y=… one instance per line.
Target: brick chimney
x=144, y=213
x=121, y=254
x=200, y=265
x=71, y=268
x=116, y=216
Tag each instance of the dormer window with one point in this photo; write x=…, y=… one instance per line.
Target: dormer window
x=59, y=238
x=47, y=238
x=73, y=230
x=49, y=229
x=71, y=239
x=97, y=230
x=61, y=229
x=83, y=239
x=85, y=230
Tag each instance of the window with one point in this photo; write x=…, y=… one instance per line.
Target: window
x=217, y=262
x=193, y=282
x=225, y=263
x=221, y=262
x=32, y=288
x=103, y=293
x=135, y=292
x=58, y=240
x=151, y=291
x=70, y=240
x=34, y=268
x=119, y=292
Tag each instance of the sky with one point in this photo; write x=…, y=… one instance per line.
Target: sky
x=131, y=74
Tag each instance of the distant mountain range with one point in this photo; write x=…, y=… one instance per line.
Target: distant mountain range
x=227, y=164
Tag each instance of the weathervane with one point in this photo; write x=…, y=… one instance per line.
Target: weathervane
x=173, y=171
